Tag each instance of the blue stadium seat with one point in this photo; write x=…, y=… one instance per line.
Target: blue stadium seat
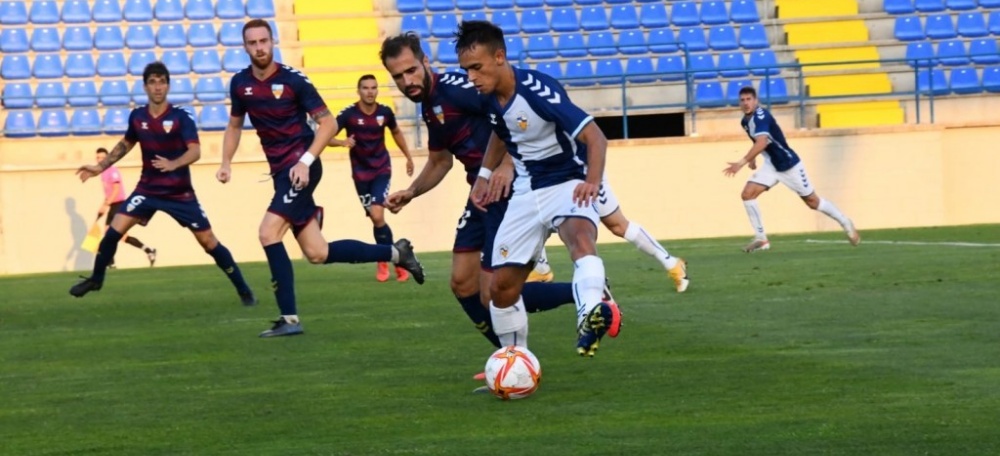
x=934, y=82
x=139, y=96
x=202, y=34
x=15, y=66
x=733, y=88
x=564, y=20
x=899, y=6
x=181, y=91
x=109, y=38
x=50, y=95
x=19, y=124
x=589, y=2
x=230, y=9
x=714, y=13
x=77, y=39
x=115, y=121
x=214, y=117
x=984, y=52
x=920, y=53
x=168, y=10
x=534, y=21
x=709, y=94
x=640, y=70
x=653, y=15
x=474, y=16
x=75, y=12
x=207, y=61
x=235, y=59
x=991, y=79
x=14, y=39
x=972, y=25
x=773, y=90
x=260, y=8
x=47, y=66
x=965, y=80
x=137, y=11
x=210, y=89
x=44, y=12
x=733, y=65
x=601, y=44
x=114, y=92
x=761, y=61
x=140, y=37
x=703, y=65
x=469, y=5
x=722, y=38
x=85, y=122
x=952, y=53
x=670, y=67
x=416, y=23
x=440, y=5
x=138, y=60
x=17, y=95
x=541, y=47
x=684, y=13
x=446, y=53
x=908, y=28
x=107, y=11
x=178, y=63
x=550, y=68
x=231, y=34
x=929, y=6
x=200, y=10
x=632, y=42
x=529, y=3
x=662, y=41
x=559, y=3
x=694, y=38
x=994, y=23
x=13, y=13
x=753, y=36
x=515, y=49
x=609, y=71
x=410, y=6
x=426, y=47
x=171, y=36
x=571, y=45
x=506, y=20
x=989, y=4
x=110, y=64
x=624, y=18
x=579, y=73
x=53, y=123
x=80, y=65
x=45, y=39
x=594, y=19
x=958, y=5
x=82, y=94
x=940, y=26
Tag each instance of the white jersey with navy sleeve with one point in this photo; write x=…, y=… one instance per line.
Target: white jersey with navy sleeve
x=539, y=125
x=778, y=153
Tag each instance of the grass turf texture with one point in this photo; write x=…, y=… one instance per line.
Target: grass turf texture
x=804, y=349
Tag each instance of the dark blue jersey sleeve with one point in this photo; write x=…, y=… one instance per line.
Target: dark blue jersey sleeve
x=130, y=134
x=236, y=109
x=552, y=103
x=307, y=95
x=390, y=118
x=189, y=130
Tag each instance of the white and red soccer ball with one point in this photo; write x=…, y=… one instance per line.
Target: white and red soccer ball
x=513, y=372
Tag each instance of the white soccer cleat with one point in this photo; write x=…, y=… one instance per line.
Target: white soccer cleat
x=757, y=244
x=852, y=234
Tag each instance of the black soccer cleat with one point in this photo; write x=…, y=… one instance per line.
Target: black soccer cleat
x=248, y=299
x=283, y=328
x=85, y=286
x=408, y=260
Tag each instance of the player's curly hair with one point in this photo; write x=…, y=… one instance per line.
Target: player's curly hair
x=472, y=33
x=155, y=69
x=748, y=90
x=394, y=45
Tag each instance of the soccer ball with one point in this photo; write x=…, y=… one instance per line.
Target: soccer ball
x=513, y=372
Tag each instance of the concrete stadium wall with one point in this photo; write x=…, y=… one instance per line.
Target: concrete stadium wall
x=882, y=178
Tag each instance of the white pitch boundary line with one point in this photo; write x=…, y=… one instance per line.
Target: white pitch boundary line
x=917, y=243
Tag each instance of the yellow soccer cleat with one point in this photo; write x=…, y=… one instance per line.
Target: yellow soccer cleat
x=537, y=277
x=678, y=274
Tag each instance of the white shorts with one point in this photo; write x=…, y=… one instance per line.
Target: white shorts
x=794, y=178
x=531, y=217
x=607, y=202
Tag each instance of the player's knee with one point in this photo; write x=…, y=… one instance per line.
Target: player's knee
x=618, y=229
x=503, y=292
x=812, y=201
x=748, y=195
x=463, y=286
x=315, y=257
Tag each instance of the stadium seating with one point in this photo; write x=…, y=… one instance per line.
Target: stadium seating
x=109, y=38
x=111, y=64
x=213, y=117
x=47, y=66
x=972, y=25
x=932, y=81
x=714, y=13
x=15, y=66
x=410, y=6
x=235, y=60
x=565, y=20
x=416, y=23
x=929, y=6
x=670, y=67
x=952, y=53
x=75, y=12
x=773, y=90
x=80, y=65
x=19, y=124
x=684, y=13
x=53, y=122
x=550, y=68
x=640, y=70
x=733, y=88
x=14, y=39
x=202, y=35
x=85, y=122
x=533, y=21
x=140, y=36
x=50, y=95
x=77, y=39
x=207, y=61
x=601, y=44
x=899, y=6
x=763, y=62
x=171, y=36
x=168, y=10
x=13, y=13
x=43, y=12
x=538, y=47
x=114, y=92
x=576, y=71
x=624, y=18
x=137, y=11
x=709, y=94
x=177, y=61
x=662, y=41
x=632, y=42
x=107, y=11
x=227, y=9
x=594, y=19
x=469, y=5
x=139, y=96
x=571, y=45
x=703, y=65
x=260, y=9
x=17, y=95
x=908, y=28
x=138, y=60
x=115, y=121
x=965, y=81
x=200, y=10
x=506, y=20
x=984, y=51
x=940, y=26
x=609, y=71
x=210, y=89
x=653, y=15
x=733, y=65
x=45, y=39
x=82, y=94
x=181, y=91
x=693, y=38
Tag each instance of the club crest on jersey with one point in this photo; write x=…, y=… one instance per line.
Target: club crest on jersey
x=504, y=251
x=168, y=125
x=277, y=90
x=522, y=120
x=380, y=120
x=439, y=113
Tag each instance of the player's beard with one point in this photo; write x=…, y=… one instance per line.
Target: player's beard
x=267, y=61
x=424, y=91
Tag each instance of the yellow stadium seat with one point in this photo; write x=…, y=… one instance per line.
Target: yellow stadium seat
x=337, y=29
x=848, y=84
x=838, y=55
x=342, y=55
x=332, y=7
x=815, y=8
x=826, y=32
x=860, y=114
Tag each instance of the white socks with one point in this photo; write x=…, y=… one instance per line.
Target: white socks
x=395, y=255
x=646, y=243
x=291, y=319
x=753, y=212
x=510, y=324
x=831, y=210
x=588, y=285
x=542, y=263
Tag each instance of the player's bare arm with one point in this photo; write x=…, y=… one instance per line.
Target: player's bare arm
x=750, y=158
x=230, y=142
x=327, y=128
x=585, y=194
x=495, y=152
x=87, y=171
x=190, y=156
x=439, y=162
x=397, y=134
x=346, y=142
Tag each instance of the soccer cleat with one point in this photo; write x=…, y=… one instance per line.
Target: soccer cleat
x=247, y=298
x=616, y=313
x=595, y=325
x=481, y=390
x=283, y=328
x=408, y=260
x=757, y=244
x=382, y=271
x=151, y=254
x=402, y=275
x=534, y=276
x=678, y=274
x=85, y=286
x=852, y=234
x=480, y=377
x=112, y=266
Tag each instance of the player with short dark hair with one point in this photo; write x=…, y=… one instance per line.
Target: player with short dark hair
x=169, y=142
x=114, y=197
x=278, y=98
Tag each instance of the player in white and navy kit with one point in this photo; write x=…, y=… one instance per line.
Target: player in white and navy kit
x=781, y=164
x=555, y=189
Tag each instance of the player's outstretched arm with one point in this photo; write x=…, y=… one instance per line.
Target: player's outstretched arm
x=230, y=142
x=191, y=155
x=759, y=144
x=397, y=134
x=87, y=171
x=439, y=162
x=597, y=149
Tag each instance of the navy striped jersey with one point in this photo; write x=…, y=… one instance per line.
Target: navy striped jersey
x=540, y=124
x=277, y=107
x=457, y=121
x=369, y=157
x=167, y=135
x=762, y=123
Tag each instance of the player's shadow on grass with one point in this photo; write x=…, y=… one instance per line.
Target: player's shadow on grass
x=77, y=259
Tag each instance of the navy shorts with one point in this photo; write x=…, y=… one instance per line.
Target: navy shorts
x=297, y=206
x=188, y=213
x=375, y=191
x=476, y=230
